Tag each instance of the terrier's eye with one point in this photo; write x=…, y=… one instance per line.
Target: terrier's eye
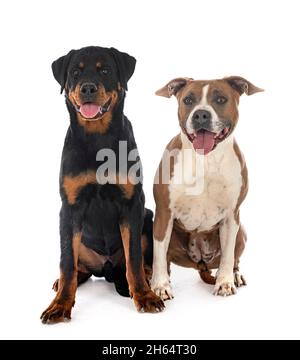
x=188, y=100
x=221, y=100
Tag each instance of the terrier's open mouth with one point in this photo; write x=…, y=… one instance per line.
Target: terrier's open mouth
x=205, y=141
x=91, y=111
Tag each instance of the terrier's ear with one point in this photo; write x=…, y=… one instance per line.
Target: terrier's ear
x=242, y=85
x=173, y=86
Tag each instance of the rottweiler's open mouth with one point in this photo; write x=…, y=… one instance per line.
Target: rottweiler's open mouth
x=92, y=111
x=205, y=141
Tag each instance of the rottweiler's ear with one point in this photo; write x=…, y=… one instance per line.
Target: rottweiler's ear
x=172, y=87
x=242, y=85
x=60, y=68
x=125, y=64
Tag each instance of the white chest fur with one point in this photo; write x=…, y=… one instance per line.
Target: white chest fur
x=204, y=198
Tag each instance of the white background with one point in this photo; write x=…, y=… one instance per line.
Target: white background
x=201, y=39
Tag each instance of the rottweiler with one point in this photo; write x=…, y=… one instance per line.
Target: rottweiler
x=105, y=229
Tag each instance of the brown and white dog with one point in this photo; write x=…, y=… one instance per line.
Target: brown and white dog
x=199, y=226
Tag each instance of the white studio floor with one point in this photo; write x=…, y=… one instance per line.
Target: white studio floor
x=258, y=311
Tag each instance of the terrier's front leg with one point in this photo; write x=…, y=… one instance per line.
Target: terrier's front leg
x=160, y=282
x=225, y=278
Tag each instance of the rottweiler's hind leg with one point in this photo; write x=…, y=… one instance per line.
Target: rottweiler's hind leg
x=120, y=280
x=82, y=277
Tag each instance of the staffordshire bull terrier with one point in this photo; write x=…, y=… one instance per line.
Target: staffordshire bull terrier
x=197, y=220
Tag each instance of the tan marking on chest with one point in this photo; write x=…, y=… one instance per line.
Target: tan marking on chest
x=73, y=184
x=128, y=190
x=126, y=185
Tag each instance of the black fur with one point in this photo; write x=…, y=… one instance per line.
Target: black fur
x=100, y=209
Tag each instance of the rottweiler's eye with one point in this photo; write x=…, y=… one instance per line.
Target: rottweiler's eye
x=221, y=100
x=104, y=71
x=76, y=73
x=188, y=100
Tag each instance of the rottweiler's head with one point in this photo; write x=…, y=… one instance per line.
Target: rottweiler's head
x=94, y=79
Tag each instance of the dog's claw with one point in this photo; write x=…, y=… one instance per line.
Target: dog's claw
x=164, y=290
x=239, y=279
x=224, y=289
x=148, y=302
x=57, y=312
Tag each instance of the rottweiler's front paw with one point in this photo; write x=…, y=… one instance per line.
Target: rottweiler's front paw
x=148, y=302
x=57, y=312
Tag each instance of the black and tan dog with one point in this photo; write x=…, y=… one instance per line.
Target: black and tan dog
x=104, y=227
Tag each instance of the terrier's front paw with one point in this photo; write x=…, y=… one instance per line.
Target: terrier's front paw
x=162, y=289
x=224, y=286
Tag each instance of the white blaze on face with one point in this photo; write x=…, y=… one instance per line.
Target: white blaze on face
x=204, y=105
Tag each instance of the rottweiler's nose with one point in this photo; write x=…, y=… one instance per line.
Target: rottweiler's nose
x=201, y=119
x=88, y=89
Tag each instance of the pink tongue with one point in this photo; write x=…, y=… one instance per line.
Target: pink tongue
x=89, y=110
x=204, y=141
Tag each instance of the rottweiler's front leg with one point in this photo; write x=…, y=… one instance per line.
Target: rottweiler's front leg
x=70, y=234
x=131, y=231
